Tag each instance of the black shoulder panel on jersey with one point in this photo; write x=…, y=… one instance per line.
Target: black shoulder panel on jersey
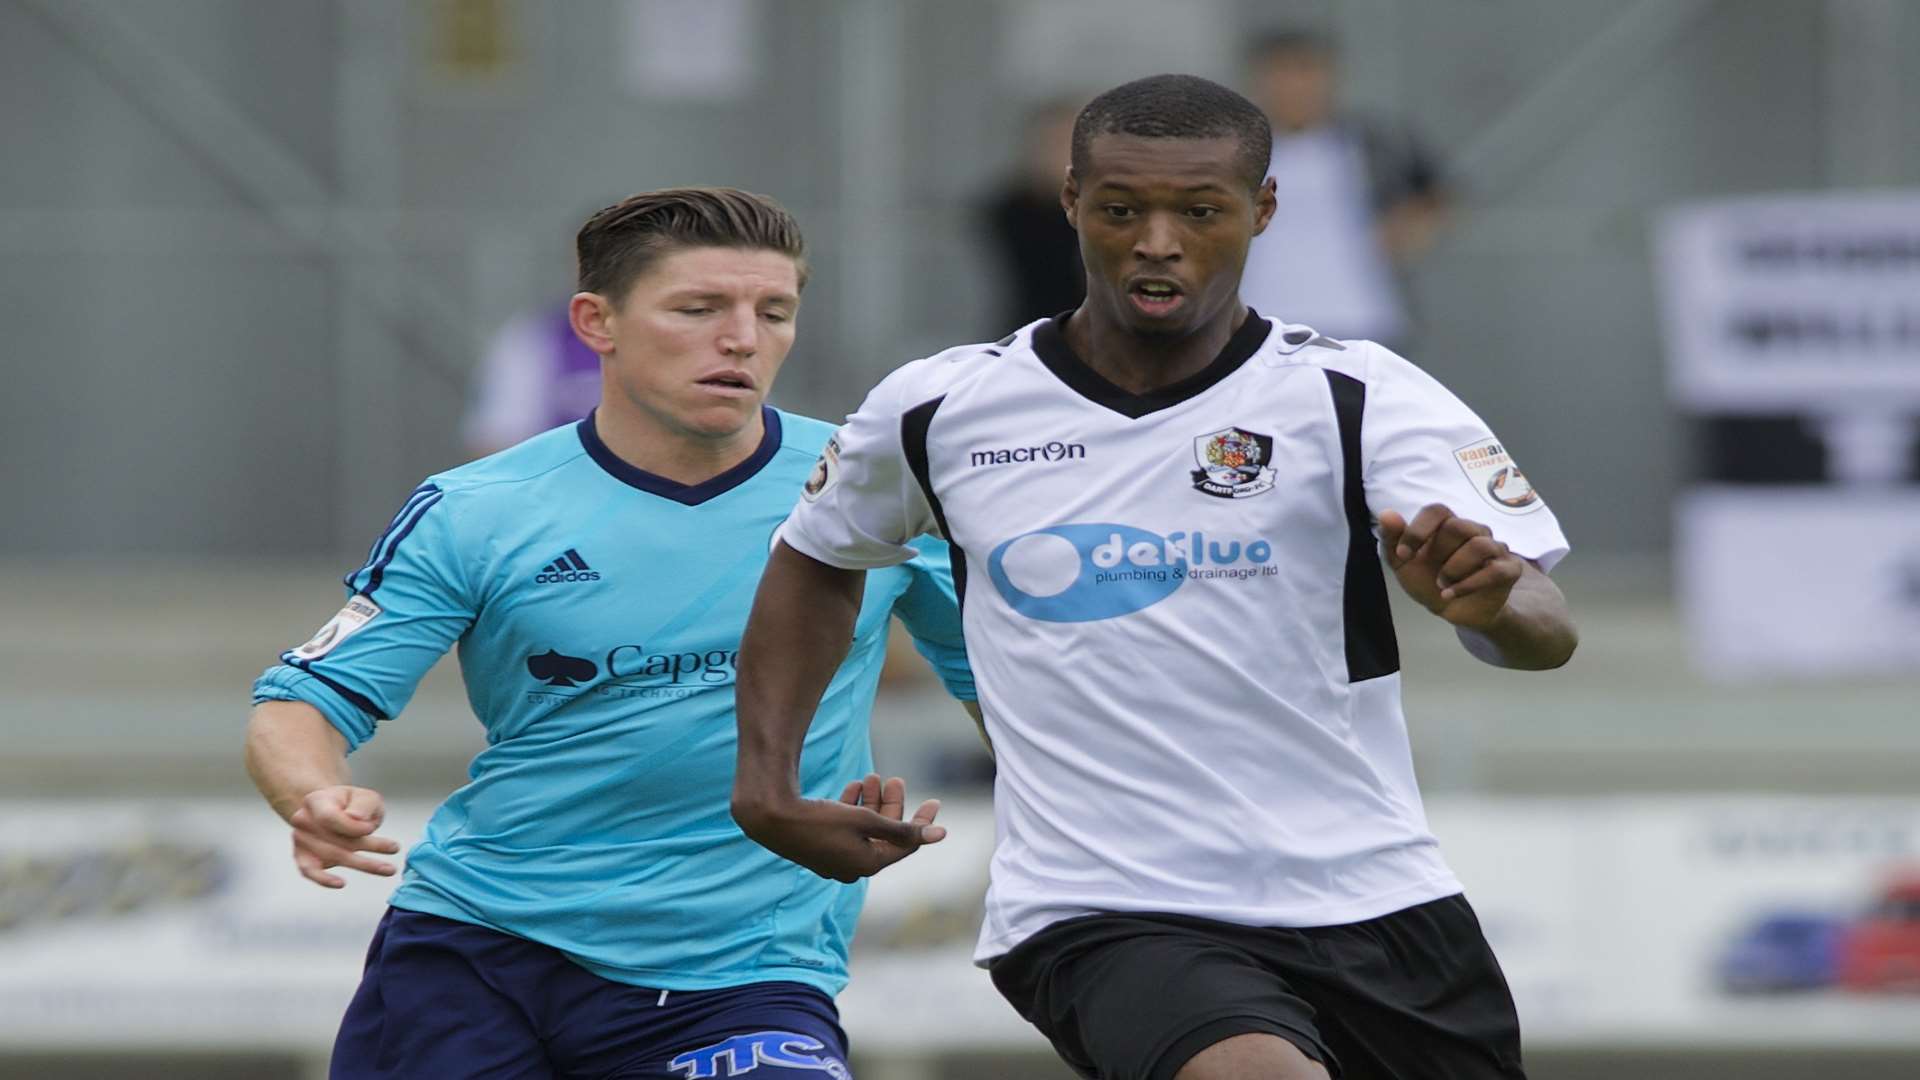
x=1372, y=649
x=913, y=442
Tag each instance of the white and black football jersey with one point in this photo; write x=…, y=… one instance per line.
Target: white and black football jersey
x=1176, y=611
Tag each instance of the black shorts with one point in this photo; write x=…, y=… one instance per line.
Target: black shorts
x=1415, y=995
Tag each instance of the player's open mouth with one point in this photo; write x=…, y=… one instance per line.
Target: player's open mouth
x=729, y=382
x=1155, y=296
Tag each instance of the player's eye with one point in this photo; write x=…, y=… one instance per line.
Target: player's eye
x=775, y=316
x=1202, y=212
x=1118, y=212
x=694, y=309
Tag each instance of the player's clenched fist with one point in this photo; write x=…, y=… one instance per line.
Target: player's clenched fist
x=335, y=826
x=1452, y=565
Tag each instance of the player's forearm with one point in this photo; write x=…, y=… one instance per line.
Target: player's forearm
x=1533, y=632
x=799, y=632
x=293, y=751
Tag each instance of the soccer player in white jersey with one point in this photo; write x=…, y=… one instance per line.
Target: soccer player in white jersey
x=1211, y=857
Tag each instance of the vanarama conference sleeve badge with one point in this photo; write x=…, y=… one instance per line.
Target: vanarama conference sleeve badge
x=1491, y=471
x=826, y=471
x=359, y=612
x=1234, y=463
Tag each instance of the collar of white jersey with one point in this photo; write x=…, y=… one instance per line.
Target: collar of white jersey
x=1049, y=343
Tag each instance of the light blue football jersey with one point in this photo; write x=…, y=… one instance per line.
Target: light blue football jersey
x=598, y=611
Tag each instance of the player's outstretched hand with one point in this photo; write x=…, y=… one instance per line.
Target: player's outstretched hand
x=1452, y=565
x=335, y=827
x=862, y=833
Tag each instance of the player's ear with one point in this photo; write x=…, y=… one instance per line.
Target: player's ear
x=590, y=315
x=1264, y=204
x=1070, y=198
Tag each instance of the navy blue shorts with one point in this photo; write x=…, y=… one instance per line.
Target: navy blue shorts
x=445, y=999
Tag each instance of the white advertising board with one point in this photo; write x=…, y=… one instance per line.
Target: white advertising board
x=183, y=924
x=1618, y=920
x=1800, y=582
x=174, y=924
x=1614, y=919
x=1807, y=302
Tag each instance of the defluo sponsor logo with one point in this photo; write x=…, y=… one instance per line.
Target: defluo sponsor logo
x=1102, y=570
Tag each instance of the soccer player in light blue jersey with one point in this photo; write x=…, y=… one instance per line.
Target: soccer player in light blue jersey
x=585, y=905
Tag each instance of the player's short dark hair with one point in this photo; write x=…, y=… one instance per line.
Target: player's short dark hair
x=1176, y=107
x=620, y=243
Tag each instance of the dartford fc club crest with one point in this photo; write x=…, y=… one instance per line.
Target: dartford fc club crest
x=1234, y=463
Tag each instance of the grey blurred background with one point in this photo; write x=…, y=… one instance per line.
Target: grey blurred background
x=251, y=251
x=250, y=254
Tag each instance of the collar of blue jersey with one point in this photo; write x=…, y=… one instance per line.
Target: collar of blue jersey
x=689, y=494
x=1050, y=345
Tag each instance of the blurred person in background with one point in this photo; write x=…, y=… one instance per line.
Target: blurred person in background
x=1211, y=857
x=536, y=374
x=1037, y=253
x=585, y=906
x=1356, y=200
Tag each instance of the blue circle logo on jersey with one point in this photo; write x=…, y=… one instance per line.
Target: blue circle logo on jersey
x=1102, y=570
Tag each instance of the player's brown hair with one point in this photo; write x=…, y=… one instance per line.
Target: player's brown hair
x=620, y=243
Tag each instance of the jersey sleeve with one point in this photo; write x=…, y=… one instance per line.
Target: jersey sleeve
x=862, y=504
x=1420, y=444
x=405, y=607
x=931, y=614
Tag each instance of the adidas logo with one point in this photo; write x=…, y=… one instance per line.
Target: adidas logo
x=568, y=567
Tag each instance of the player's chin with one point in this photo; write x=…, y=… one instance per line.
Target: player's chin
x=1177, y=324
x=721, y=419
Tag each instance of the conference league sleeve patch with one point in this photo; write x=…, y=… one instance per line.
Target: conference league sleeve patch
x=826, y=471
x=351, y=619
x=1492, y=473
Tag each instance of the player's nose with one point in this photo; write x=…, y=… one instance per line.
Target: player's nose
x=1158, y=239
x=739, y=333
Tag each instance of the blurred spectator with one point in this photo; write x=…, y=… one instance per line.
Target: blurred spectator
x=1358, y=200
x=1038, y=252
x=536, y=375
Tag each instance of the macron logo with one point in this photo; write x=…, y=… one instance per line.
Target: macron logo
x=1053, y=451
x=568, y=567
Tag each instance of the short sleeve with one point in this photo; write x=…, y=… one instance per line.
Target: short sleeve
x=405, y=607
x=862, y=504
x=931, y=613
x=1420, y=445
